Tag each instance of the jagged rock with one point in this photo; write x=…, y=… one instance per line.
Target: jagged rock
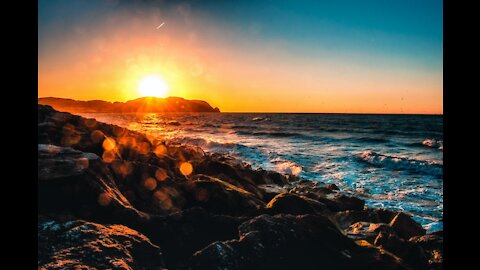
x=289, y=242
x=406, y=227
x=333, y=199
x=270, y=191
x=412, y=254
x=221, y=197
x=77, y=244
x=77, y=183
x=433, y=246
x=289, y=204
x=181, y=234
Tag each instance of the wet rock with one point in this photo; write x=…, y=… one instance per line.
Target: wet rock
x=289, y=204
x=77, y=244
x=288, y=242
x=406, y=227
x=384, y=215
x=345, y=219
x=270, y=191
x=380, y=227
x=78, y=183
x=60, y=162
x=183, y=233
x=433, y=246
x=412, y=254
x=360, y=231
x=332, y=187
x=333, y=199
x=220, y=197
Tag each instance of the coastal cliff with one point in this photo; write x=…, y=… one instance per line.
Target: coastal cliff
x=111, y=198
x=140, y=105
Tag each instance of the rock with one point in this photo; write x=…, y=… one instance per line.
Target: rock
x=360, y=231
x=270, y=191
x=58, y=162
x=380, y=227
x=406, y=227
x=334, y=200
x=78, y=183
x=412, y=254
x=433, y=246
x=288, y=242
x=346, y=218
x=289, y=204
x=384, y=215
x=75, y=244
x=332, y=186
x=220, y=197
x=183, y=233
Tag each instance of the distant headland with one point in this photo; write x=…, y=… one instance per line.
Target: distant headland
x=140, y=105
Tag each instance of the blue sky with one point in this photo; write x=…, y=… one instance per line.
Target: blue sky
x=368, y=36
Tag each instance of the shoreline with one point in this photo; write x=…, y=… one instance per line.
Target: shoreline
x=195, y=220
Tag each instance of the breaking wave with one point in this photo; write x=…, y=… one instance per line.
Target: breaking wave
x=400, y=163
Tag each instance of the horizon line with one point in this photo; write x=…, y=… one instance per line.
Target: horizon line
x=266, y=112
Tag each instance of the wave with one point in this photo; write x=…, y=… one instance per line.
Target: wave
x=287, y=166
x=272, y=134
x=401, y=163
x=432, y=143
x=205, y=143
x=371, y=139
x=260, y=119
x=429, y=143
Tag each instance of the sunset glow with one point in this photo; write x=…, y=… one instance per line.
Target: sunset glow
x=152, y=86
x=329, y=58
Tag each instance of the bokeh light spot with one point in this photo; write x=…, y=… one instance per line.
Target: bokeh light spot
x=186, y=168
x=161, y=150
x=104, y=199
x=150, y=183
x=161, y=174
x=109, y=144
x=108, y=156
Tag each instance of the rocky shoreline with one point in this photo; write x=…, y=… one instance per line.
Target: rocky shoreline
x=111, y=198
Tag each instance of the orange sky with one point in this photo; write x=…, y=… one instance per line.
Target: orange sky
x=106, y=61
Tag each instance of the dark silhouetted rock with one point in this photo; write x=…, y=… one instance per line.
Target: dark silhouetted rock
x=140, y=105
x=405, y=226
x=413, y=255
x=433, y=246
x=221, y=197
x=289, y=204
x=77, y=244
x=289, y=242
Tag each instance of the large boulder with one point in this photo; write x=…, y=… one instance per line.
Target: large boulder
x=289, y=204
x=432, y=244
x=77, y=244
x=406, y=227
x=220, y=197
x=413, y=255
x=289, y=242
x=80, y=184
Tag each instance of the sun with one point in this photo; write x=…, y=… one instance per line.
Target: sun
x=152, y=86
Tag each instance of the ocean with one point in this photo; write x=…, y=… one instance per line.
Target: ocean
x=391, y=161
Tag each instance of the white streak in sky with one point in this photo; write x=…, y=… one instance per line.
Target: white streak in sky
x=158, y=27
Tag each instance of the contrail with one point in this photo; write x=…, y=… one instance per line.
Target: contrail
x=158, y=27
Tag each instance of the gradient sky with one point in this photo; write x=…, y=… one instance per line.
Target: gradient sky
x=251, y=56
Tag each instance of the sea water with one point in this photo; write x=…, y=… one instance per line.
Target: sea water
x=391, y=161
